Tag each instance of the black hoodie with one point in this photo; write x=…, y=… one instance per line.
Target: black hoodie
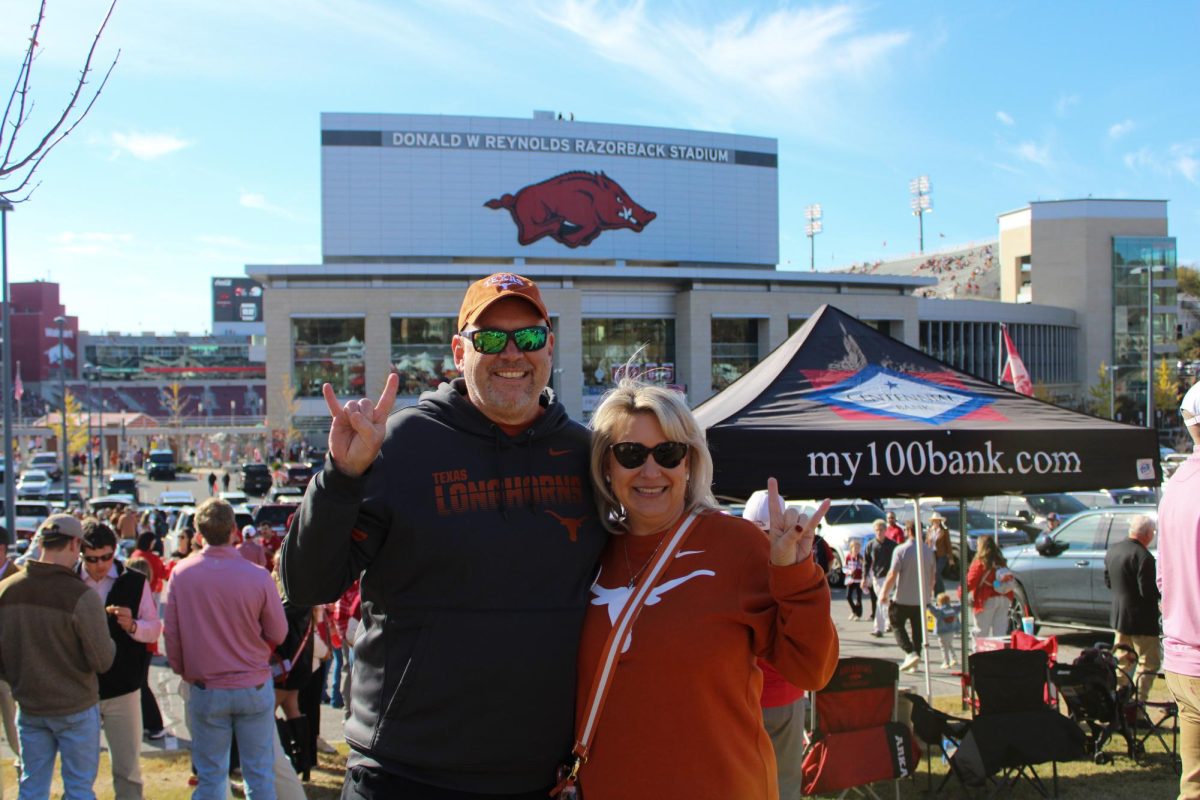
x=476, y=551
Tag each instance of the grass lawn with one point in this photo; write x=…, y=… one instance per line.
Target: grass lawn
x=166, y=776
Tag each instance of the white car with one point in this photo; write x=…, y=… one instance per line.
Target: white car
x=33, y=482
x=234, y=498
x=176, y=499
x=846, y=520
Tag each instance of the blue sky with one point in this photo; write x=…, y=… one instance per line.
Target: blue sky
x=202, y=155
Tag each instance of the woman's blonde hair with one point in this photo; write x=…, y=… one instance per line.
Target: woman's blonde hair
x=630, y=398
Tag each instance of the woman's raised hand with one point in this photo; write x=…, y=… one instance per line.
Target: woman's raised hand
x=356, y=432
x=791, y=532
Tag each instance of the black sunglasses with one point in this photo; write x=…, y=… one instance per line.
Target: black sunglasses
x=98, y=559
x=632, y=455
x=491, y=341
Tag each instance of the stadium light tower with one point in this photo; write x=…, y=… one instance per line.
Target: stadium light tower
x=811, y=229
x=921, y=204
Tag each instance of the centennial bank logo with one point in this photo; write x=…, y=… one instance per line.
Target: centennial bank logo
x=882, y=392
x=572, y=209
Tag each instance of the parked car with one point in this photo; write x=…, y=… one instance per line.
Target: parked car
x=29, y=516
x=106, y=501
x=1060, y=577
x=255, y=479
x=73, y=499
x=50, y=463
x=160, y=465
x=1115, y=497
x=123, y=483
x=176, y=499
x=234, y=498
x=276, y=515
x=1029, y=509
x=296, y=474
x=284, y=494
x=33, y=483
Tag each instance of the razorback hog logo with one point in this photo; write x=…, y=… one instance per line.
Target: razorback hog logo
x=573, y=209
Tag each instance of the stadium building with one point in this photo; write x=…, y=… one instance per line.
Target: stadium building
x=662, y=243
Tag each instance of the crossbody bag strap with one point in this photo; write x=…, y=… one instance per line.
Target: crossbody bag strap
x=610, y=654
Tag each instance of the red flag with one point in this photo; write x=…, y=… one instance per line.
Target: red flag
x=18, y=387
x=1014, y=368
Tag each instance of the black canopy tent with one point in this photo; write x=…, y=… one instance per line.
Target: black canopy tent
x=842, y=410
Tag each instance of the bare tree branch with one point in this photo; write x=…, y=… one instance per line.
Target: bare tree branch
x=19, y=169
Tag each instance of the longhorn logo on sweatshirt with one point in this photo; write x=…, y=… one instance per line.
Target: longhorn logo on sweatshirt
x=617, y=597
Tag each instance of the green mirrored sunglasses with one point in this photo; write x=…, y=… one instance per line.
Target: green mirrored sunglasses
x=491, y=341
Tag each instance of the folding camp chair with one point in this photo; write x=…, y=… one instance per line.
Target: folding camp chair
x=854, y=739
x=936, y=729
x=1014, y=729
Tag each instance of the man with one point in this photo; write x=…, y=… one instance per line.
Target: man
x=127, y=523
x=223, y=619
x=908, y=606
x=894, y=532
x=877, y=561
x=133, y=623
x=1129, y=571
x=1052, y=522
x=250, y=549
x=1179, y=582
x=8, y=706
x=53, y=642
x=472, y=516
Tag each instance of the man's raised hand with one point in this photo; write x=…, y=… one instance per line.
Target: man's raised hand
x=356, y=432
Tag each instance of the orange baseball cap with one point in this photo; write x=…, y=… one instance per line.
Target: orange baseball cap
x=482, y=293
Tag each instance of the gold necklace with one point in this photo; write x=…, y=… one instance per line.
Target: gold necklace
x=629, y=567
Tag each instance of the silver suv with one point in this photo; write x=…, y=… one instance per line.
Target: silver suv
x=1060, y=577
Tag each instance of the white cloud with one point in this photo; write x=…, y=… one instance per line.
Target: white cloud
x=1064, y=104
x=1179, y=159
x=785, y=58
x=1119, y=129
x=1034, y=153
x=148, y=146
x=91, y=243
x=1005, y=118
x=259, y=202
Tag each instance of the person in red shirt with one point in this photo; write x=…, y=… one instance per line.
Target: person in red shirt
x=682, y=715
x=158, y=570
x=894, y=531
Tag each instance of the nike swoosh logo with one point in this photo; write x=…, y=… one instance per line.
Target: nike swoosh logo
x=683, y=553
x=554, y=452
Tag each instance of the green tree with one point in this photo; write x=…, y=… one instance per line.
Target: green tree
x=1189, y=347
x=1100, y=393
x=1189, y=281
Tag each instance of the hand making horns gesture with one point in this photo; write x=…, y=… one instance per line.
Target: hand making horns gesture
x=356, y=433
x=791, y=532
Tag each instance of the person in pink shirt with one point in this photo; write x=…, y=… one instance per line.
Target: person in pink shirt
x=250, y=549
x=1179, y=585
x=223, y=617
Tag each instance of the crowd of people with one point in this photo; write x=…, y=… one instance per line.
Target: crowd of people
x=520, y=606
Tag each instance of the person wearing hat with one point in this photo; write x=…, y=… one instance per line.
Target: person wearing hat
x=54, y=642
x=250, y=549
x=1178, y=579
x=471, y=519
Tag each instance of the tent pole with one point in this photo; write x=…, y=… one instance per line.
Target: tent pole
x=922, y=604
x=963, y=615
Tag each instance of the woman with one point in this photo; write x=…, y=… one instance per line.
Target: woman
x=938, y=540
x=682, y=715
x=990, y=606
x=293, y=663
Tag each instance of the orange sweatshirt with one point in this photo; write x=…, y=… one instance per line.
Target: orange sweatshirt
x=682, y=717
